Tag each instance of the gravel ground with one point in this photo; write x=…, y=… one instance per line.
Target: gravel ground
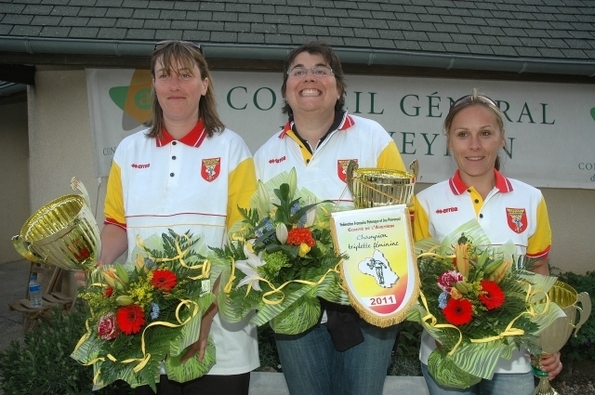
x=577, y=378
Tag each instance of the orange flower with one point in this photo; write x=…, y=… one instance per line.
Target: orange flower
x=130, y=319
x=297, y=236
x=164, y=280
x=458, y=311
x=491, y=295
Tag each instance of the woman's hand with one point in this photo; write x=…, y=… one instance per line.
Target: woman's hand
x=200, y=345
x=551, y=364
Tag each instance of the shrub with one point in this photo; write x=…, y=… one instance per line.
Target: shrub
x=42, y=365
x=581, y=347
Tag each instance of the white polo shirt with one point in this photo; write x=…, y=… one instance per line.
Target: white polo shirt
x=324, y=171
x=192, y=184
x=512, y=211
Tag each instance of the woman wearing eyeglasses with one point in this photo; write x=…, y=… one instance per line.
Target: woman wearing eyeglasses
x=186, y=172
x=342, y=355
x=474, y=130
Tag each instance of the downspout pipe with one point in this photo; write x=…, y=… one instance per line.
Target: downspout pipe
x=438, y=60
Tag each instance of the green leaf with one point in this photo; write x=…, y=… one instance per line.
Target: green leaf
x=192, y=368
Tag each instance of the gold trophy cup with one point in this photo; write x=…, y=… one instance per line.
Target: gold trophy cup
x=376, y=187
x=62, y=233
x=553, y=337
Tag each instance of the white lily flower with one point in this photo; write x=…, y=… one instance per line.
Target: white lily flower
x=281, y=232
x=249, y=267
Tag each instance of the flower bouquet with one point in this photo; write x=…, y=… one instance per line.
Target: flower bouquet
x=280, y=259
x=143, y=315
x=478, y=304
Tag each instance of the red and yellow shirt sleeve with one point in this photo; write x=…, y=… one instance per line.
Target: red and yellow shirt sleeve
x=242, y=185
x=114, y=199
x=390, y=158
x=421, y=222
x=540, y=242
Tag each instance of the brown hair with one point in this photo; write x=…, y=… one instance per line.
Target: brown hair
x=474, y=99
x=329, y=56
x=189, y=54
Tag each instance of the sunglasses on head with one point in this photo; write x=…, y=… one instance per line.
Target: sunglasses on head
x=468, y=98
x=162, y=44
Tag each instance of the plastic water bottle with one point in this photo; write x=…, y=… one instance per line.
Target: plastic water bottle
x=34, y=291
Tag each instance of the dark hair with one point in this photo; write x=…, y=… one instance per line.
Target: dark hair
x=329, y=56
x=474, y=99
x=170, y=53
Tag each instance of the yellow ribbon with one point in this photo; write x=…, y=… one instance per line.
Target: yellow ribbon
x=431, y=321
x=232, y=277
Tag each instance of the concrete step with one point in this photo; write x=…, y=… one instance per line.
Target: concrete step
x=264, y=383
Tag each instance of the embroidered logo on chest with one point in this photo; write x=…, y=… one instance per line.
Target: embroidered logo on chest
x=210, y=169
x=517, y=219
x=342, y=168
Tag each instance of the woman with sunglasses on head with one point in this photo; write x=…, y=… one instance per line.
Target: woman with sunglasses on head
x=474, y=130
x=186, y=172
x=342, y=355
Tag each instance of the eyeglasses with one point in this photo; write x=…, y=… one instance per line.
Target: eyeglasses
x=164, y=43
x=469, y=98
x=317, y=71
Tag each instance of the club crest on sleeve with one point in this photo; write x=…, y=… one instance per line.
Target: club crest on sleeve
x=210, y=169
x=517, y=219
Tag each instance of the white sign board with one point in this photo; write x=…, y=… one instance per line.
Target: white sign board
x=550, y=130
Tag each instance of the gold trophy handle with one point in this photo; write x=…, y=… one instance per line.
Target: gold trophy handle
x=76, y=184
x=584, y=310
x=22, y=248
x=414, y=167
x=351, y=169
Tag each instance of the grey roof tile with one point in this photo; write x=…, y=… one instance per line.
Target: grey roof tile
x=197, y=36
x=55, y=32
x=550, y=52
x=111, y=34
x=237, y=27
x=26, y=31
x=382, y=44
x=131, y=24
x=184, y=25
x=84, y=32
x=456, y=47
x=505, y=51
x=250, y=17
x=224, y=16
x=279, y=19
x=92, y=11
x=432, y=47
x=119, y=13
x=157, y=24
x=64, y=11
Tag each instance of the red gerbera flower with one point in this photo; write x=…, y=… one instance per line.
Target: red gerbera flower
x=109, y=291
x=297, y=236
x=164, y=280
x=130, y=319
x=491, y=295
x=458, y=311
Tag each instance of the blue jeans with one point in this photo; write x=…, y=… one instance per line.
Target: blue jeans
x=500, y=384
x=312, y=366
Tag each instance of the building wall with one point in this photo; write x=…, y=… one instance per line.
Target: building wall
x=61, y=147
x=14, y=177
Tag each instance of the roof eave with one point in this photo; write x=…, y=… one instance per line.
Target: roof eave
x=438, y=60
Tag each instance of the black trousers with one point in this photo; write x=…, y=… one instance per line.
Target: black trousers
x=205, y=385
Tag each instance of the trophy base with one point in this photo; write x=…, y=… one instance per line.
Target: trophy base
x=544, y=388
